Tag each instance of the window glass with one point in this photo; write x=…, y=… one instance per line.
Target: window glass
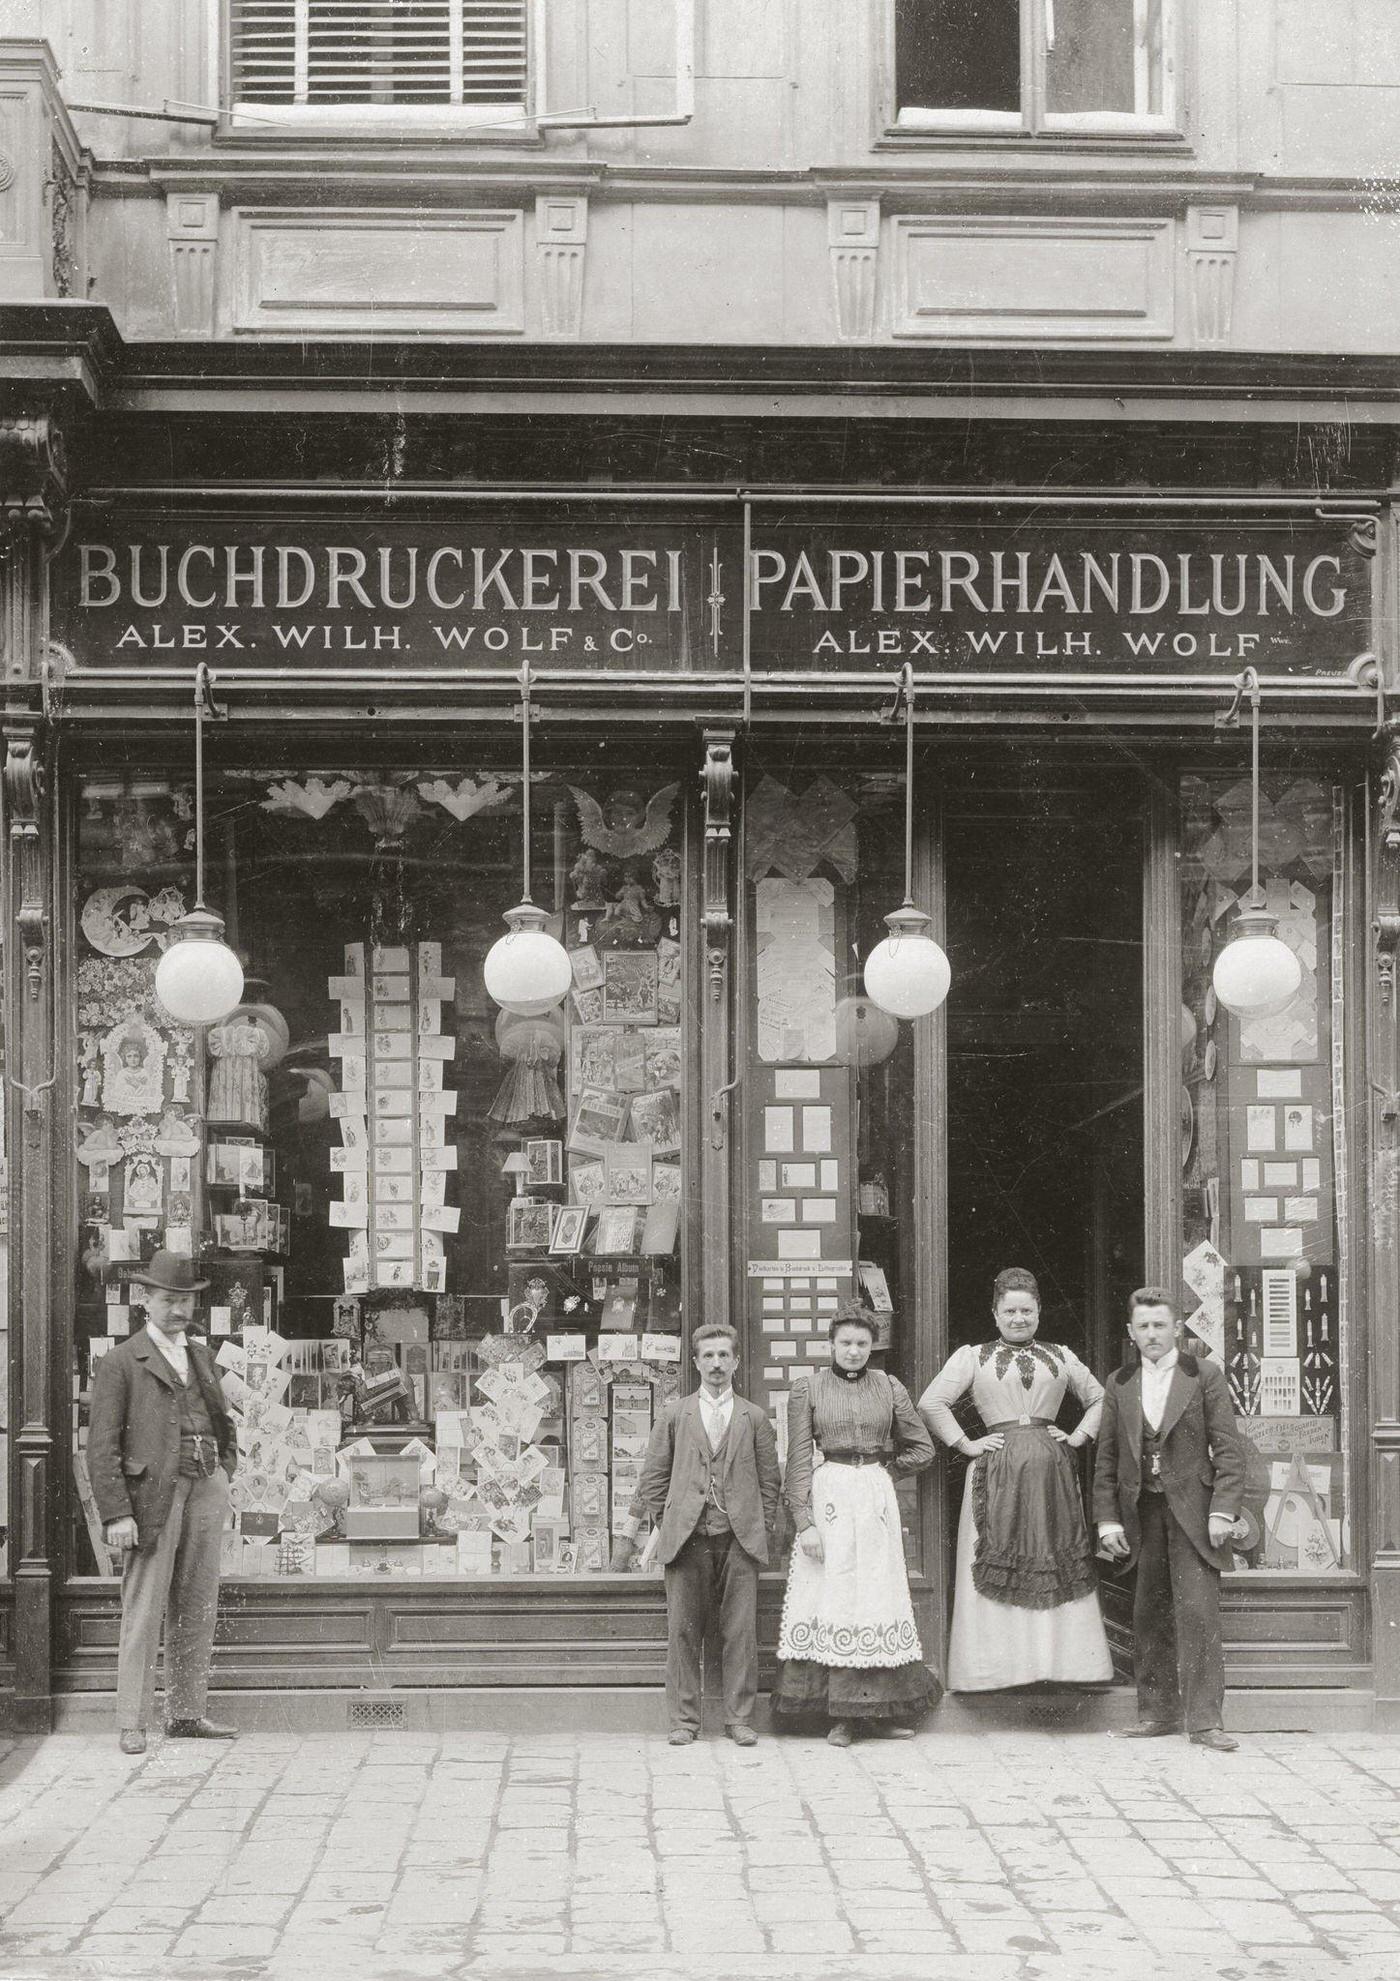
x=1264, y=1162
x=444, y=1241
x=830, y=1084
x=4, y=1292
x=1095, y=61
x=959, y=54
x=1103, y=55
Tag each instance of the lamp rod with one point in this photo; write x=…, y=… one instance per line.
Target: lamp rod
x=201, y=696
x=525, y=768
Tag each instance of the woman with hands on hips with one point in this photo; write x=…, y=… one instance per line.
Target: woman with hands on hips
x=1025, y=1603
x=848, y=1643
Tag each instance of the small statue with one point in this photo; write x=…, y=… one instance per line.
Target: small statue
x=666, y=872
x=631, y=902
x=587, y=877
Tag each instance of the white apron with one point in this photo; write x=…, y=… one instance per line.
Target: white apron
x=852, y=1608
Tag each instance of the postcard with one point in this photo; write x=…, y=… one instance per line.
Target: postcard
x=566, y=1347
x=630, y=986
x=627, y=1167
x=662, y=1226
x=593, y=1057
x=617, y=1230
x=1297, y=1128
x=666, y=1182
x=570, y=1221
x=598, y=1119
x=546, y=1160
x=587, y=1182
x=778, y=1131
x=662, y=1061
x=656, y=1119
x=1261, y=1128
x=588, y=1005
x=588, y=971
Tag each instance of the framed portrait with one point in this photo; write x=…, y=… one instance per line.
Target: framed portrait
x=570, y=1222
x=528, y=1227
x=546, y=1160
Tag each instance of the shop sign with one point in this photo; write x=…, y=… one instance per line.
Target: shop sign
x=1076, y=598
x=828, y=593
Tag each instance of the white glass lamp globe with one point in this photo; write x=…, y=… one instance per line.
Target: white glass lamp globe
x=1256, y=975
x=199, y=980
x=865, y=1035
x=907, y=974
x=527, y=971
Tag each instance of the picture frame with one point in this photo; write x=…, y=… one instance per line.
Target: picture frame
x=528, y=1226
x=570, y=1223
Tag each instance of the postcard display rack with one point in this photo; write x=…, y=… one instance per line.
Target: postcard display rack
x=1264, y=1155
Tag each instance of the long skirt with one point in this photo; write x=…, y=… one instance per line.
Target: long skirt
x=848, y=1641
x=1042, y=1623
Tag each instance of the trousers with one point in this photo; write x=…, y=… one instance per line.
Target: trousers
x=1177, y=1657
x=176, y=1583
x=711, y=1575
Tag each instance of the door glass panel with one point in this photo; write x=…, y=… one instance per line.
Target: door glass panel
x=1264, y=1162
x=829, y=1090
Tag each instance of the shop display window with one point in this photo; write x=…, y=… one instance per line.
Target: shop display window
x=444, y=1241
x=1265, y=1162
x=4, y=1299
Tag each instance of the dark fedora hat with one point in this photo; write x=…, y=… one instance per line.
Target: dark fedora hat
x=171, y=1272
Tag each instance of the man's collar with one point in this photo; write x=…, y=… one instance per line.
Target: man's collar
x=1165, y=1365
x=725, y=1396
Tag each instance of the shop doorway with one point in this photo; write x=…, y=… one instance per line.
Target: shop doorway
x=1045, y=1051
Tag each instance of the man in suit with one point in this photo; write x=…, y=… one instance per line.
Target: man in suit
x=161, y=1450
x=1168, y=1486
x=710, y=1477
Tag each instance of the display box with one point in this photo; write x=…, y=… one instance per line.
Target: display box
x=383, y=1499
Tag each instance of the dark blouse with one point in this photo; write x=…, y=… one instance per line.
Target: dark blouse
x=874, y=1415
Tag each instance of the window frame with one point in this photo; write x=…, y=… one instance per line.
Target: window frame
x=508, y=119
x=1034, y=121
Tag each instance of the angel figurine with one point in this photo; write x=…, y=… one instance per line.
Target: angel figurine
x=666, y=872
x=627, y=824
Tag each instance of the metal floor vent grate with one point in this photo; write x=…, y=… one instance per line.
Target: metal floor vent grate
x=380, y=1714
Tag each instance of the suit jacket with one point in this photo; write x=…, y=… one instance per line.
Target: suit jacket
x=672, y=1485
x=1202, y=1462
x=133, y=1447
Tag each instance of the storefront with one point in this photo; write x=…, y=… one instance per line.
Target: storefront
x=454, y=1250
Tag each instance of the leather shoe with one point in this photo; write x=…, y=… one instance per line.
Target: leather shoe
x=133, y=1740
x=200, y=1729
x=840, y=1735
x=681, y=1736
x=1217, y=1739
x=1146, y=1730
x=742, y=1734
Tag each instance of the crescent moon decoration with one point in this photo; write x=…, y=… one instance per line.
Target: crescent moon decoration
x=112, y=932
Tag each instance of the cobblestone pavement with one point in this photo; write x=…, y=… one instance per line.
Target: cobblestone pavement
x=982, y=1855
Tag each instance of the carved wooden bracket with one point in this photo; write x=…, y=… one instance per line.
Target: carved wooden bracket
x=33, y=476
x=1389, y=798
x=24, y=791
x=718, y=784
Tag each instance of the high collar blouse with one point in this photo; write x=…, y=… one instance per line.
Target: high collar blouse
x=874, y=1416
x=1006, y=1382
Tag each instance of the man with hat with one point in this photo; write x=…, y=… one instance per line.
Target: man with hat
x=161, y=1450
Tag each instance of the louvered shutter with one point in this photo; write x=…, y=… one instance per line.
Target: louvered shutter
x=409, y=52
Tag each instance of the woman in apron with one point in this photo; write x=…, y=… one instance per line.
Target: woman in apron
x=848, y=1642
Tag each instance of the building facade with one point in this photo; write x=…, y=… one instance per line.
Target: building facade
x=674, y=376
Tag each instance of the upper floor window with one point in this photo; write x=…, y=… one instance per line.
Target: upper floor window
x=1035, y=65
x=351, y=61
